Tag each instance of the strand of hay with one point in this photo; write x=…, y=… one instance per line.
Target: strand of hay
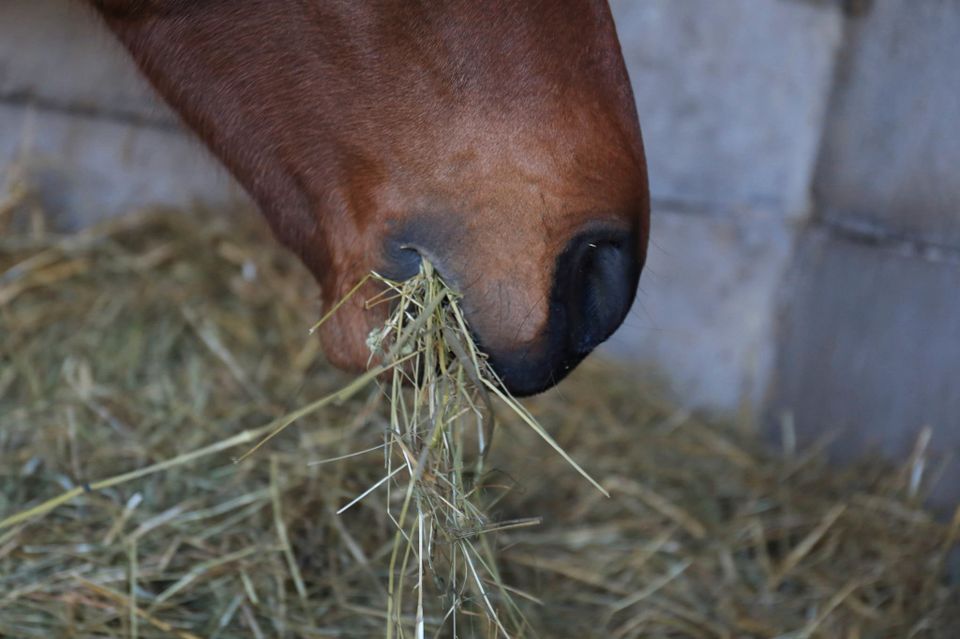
x=154, y=337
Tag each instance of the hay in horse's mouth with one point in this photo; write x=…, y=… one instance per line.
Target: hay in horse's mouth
x=442, y=394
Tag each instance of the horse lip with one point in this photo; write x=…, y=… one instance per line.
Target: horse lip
x=524, y=374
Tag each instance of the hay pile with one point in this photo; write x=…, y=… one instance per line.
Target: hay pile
x=183, y=337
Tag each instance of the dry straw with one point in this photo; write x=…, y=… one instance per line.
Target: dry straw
x=440, y=396
x=140, y=358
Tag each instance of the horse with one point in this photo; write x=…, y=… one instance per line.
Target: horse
x=497, y=139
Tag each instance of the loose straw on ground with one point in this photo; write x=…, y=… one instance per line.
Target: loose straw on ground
x=123, y=376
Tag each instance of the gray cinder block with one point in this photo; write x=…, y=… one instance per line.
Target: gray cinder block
x=83, y=130
x=86, y=169
x=705, y=309
x=731, y=95
x=56, y=53
x=870, y=348
x=891, y=152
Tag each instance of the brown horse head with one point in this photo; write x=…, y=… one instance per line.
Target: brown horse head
x=498, y=139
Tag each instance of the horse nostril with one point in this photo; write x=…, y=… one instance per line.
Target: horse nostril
x=601, y=273
x=400, y=262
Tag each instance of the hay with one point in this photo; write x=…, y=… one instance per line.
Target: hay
x=439, y=405
x=161, y=347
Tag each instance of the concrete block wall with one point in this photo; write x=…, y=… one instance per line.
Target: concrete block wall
x=805, y=255
x=82, y=130
x=890, y=159
x=869, y=345
x=732, y=97
x=869, y=351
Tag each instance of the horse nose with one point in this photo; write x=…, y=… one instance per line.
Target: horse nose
x=595, y=286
